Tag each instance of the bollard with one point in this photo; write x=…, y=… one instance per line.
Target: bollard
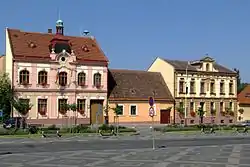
x=58, y=134
x=43, y=135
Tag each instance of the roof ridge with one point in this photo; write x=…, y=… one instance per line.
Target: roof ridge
x=46, y=33
x=132, y=70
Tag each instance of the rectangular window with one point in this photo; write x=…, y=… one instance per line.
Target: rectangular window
x=181, y=86
x=191, y=106
x=121, y=107
x=192, y=87
x=202, y=88
x=222, y=88
x=42, y=106
x=81, y=104
x=211, y=106
x=231, y=88
x=231, y=106
x=212, y=87
x=133, y=110
x=221, y=106
x=61, y=105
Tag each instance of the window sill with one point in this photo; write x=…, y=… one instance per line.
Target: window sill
x=133, y=115
x=181, y=92
x=222, y=93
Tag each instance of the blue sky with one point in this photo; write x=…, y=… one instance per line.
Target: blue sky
x=133, y=32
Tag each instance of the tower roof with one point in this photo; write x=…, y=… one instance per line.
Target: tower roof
x=59, y=23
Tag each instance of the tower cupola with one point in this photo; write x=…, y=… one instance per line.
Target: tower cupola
x=59, y=27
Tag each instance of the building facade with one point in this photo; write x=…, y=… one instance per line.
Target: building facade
x=202, y=84
x=244, y=104
x=130, y=90
x=51, y=69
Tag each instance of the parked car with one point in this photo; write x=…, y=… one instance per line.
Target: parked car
x=11, y=123
x=246, y=123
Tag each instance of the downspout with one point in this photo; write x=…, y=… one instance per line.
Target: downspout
x=12, y=86
x=174, y=94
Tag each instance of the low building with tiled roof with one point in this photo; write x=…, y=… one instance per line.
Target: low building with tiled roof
x=131, y=89
x=244, y=104
x=201, y=85
x=50, y=69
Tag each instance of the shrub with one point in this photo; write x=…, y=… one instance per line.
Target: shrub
x=52, y=127
x=33, y=130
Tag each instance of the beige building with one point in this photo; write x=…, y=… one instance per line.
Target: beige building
x=2, y=63
x=203, y=83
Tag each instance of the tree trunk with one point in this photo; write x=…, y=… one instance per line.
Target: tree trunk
x=201, y=119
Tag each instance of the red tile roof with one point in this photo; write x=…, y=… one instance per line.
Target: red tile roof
x=21, y=46
x=244, y=95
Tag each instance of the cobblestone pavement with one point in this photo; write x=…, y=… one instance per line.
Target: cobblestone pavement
x=196, y=156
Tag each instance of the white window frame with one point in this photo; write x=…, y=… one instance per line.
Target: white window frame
x=136, y=111
x=122, y=109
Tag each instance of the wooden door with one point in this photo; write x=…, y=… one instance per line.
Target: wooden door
x=165, y=117
x=94, y=117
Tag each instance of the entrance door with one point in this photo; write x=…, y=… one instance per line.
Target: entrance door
x=165, y=117
x=96, y=111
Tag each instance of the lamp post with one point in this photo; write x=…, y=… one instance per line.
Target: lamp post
x=186, y=92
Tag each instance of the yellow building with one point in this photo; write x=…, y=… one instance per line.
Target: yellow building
x=203, y=83
x=131, y=90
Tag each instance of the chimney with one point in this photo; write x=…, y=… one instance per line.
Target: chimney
x=50, y=31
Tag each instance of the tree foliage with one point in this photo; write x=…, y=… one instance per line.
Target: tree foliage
x=22, y=106
x=240, y=85
x=117, y=110
x=73, y=106
x=6, y=95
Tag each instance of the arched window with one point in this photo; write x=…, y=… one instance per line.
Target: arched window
x=207, y=67
x=97, y=80
x=24, y=77
x=63, y=78
x=42, y=77
x=81, y=78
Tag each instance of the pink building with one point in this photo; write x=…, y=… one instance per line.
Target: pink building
x=52, y=69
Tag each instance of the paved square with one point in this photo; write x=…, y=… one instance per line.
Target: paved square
x=196, y=156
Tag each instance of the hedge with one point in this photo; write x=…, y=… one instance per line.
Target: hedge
x=53, y=129
x=173, y=128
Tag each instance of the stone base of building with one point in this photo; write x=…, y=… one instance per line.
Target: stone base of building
x=59, y=121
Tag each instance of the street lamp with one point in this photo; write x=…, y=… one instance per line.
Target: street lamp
x=186, y=92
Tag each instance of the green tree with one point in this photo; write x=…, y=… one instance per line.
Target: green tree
x=201, y=113
x=117, y=111
x=73, y=107
x=6, y=95
x=22, y=106
x=240, y=85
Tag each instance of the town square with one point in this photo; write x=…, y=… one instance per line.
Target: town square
x=152, y=84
